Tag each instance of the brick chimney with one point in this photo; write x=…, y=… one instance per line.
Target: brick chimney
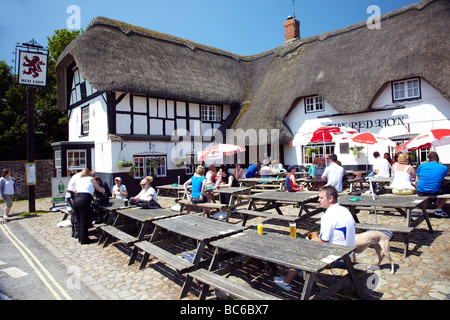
x=291, y=29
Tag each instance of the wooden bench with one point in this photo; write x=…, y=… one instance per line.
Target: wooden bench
x=251, y=213
x=237, y=290
x=177, y=263
x=113, y=232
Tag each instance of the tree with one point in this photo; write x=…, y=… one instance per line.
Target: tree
x=50, y=124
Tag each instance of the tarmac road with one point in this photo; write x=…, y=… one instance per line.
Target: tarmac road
x=29, y=271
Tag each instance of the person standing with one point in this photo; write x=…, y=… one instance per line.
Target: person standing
x=334, y=174
x=7, y=192
x=84, y=191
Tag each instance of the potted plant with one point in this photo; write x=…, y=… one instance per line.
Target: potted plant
x=356, y=150
x=125, y=164
x=310, y=152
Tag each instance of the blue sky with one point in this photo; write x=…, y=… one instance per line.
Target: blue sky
x=240, y=26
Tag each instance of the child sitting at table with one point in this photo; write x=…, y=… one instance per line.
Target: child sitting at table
x=291, y=184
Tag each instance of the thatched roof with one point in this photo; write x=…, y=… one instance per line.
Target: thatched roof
x=115, y=56
x=347, y=67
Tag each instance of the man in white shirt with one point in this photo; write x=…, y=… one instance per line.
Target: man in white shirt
x=334, y=174
x=381, y=167
x=337, y=226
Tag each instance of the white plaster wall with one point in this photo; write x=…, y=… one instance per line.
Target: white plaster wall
x=431, y=111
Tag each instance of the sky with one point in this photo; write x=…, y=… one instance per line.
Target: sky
x=244, y=27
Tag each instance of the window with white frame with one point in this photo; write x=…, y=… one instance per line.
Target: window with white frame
x=406, y=89
x=211, y=113
x=85, y=120
x=155, y=166
x=58, y=163
x=76, y=160
x=314, y=104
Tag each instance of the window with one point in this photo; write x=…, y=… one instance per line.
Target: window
x=211, y=113
x=316, y=150
x=76, y=160
x=406, y=89
x=85, y=121
x=314, y=104
x=58, y=163
x=155, y=166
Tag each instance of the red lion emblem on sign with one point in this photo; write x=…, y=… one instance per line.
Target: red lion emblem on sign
x=33, y=65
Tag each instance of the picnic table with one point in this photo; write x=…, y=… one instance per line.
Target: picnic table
x=403, y=204
x=263, y=183
x=144, y=217
x=274, y=200
x=171, y=190
x=200, y=229
x=235, y=199
x=310, y=256
x=308, y=182
x=110, y=209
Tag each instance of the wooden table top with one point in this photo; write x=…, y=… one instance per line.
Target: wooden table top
x=285, y=196
x=198, y=228
x=281, y=249
x=143, y=215
x=385, y=200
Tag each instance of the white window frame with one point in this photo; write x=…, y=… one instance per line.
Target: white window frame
x=58, y=166
x=143, y=166
x=72, y=164
x=211, y=113
x=314, y=104
x=406, y=89
x=85, y=115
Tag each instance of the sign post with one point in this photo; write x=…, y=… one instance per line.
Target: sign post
x=33, y=64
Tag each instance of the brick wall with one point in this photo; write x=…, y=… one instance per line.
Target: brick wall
x=44, y=175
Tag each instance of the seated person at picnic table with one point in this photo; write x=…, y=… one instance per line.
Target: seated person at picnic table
x=337, y=226
x=198, y=182
x=119, y=189
x=252, y=170
x=102, y=199
x=225, y=179
x=381, y=167
x=334, y=174
x=403, y=176
x=147, y=193
x=211, y=176
x=276, y=166
x=318, y=171
x=238, y=171
x=265, y=170
x=429, y=179
x=311, y=167
x=291, y=184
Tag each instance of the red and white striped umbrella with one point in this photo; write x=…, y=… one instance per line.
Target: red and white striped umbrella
x=372, y=138
x=427, y=139
x=322, y=134
x=218, y=151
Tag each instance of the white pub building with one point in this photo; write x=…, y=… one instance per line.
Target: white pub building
x=134, y=95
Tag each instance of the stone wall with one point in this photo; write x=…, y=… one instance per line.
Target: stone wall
x=44, y=175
